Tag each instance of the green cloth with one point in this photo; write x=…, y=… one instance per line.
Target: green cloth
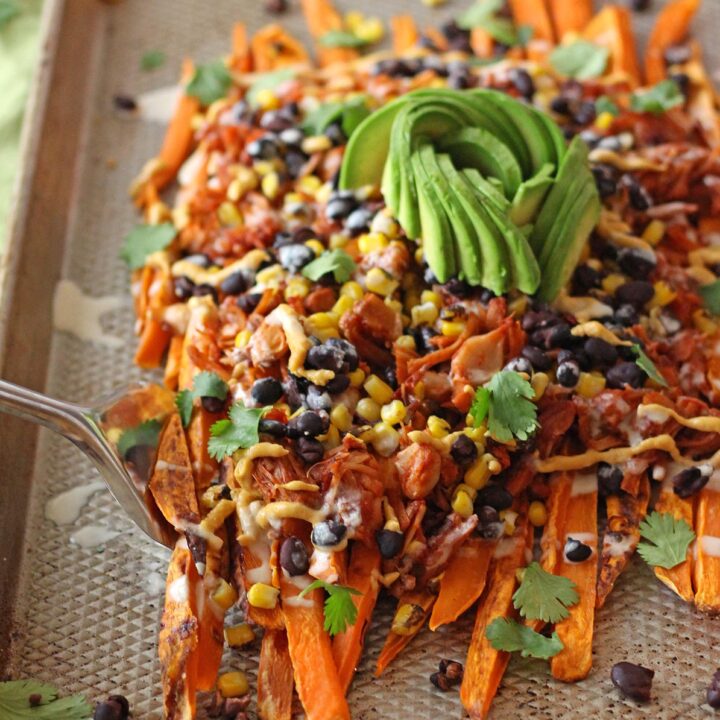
x=18, y=51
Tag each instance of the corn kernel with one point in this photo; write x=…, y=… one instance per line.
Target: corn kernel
x=419, y=390
x=425, y=314
x=270, y=276
x=408, y=619
x=368, y=410
x=353, y=19
x=433, y=3
x=539, y=382
x=157, y=213
x=604, y=120
x=245, y=181
x=352, y=290
x=331, y=439
x=239, y=635
x=663, y=296
x=478, y=474
x=703, y=323
x=419, y=256
x=322, y=325
x=297, y=287
x=430, y=296
x=370, y=30
x=338, y=241
x=357, y=377
x=385, y=224
x=612, y=282
x=406, y=342
x=509, y=517
x=233, y=684
x=270, y=185
x=654, y=232
x=393, y=413
x=452, y=328
x=343, y=304
x=372, y=242
x=476, y=434
x=229, y=215
x=263, y=167
x=225, y=595
x=324, y=192
x=394, y=305
x=309, y=184
x=437, y=427
x=378, y=281
x=242, y=338
x=341, y=418
x=385, y=439
x=462, y=504
x=316, y=246
x=264, y=596
x=537, y=513
x=316, y=143
x=267, y=99
x=590, y=384
x=378, y=390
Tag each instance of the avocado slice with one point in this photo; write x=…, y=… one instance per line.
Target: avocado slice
x=436, y=231
x=480, y=149
x=490, y=191
x=530, y=195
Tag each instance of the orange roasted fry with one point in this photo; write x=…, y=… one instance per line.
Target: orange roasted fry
x=707, y=562
x=671, y=28
x=316, y=677
x=321, y=18
x=612, y=28
x=485, y=666
x=481, y=42
x=404, y=33
x=362, y=574
x=241, y=58
x=419, y=602
x=273, y=48
x=178, y=640
x=463, y=581
x=570, y=16
x=249, y=559
x=534, y=13
x=275, y=677
x=172, y=364
x=576, y=518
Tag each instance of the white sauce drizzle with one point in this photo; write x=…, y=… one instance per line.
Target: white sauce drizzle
x=710, y=545
x=164, y=465
x=65, y=508
x=714, y=481
x=158, y=105
x=505, y=547
x=179, y=589
x=92, y=536
x=79, y=314
x=616, y=545
x=583, y=485
x=297, y=601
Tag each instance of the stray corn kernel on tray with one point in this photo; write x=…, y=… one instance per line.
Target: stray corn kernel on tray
x=381, y=302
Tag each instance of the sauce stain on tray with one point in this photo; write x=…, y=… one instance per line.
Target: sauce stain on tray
x=65, y=508
x=93, y=536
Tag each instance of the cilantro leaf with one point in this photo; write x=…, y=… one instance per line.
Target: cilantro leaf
x=340, y=610
x=15, y=702
x=210, y=82
x=605, y=105
x=8, y=10
x=337, y=261
x=152, y=60
x=581, y=59
x=524, y=34
x=146, y=433
x=646, y=364
x=659, y=98
x=710, y=295
x=484, y=14
x=511, y=412
x=510, y=635
x=544, y=596
x=143, y=240
x=267, y=81
x=476, y=14
x=671, y=539
x=340, y=38
x=480, y=406
x=184, y=403
x=239, y=431
x=209, y=384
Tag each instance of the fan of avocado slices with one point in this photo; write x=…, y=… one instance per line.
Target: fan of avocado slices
x=486, y=183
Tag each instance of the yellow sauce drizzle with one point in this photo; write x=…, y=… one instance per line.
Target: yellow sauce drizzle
x=702, y=423
x=287, y=509
x=598, y=330
x=243, y=468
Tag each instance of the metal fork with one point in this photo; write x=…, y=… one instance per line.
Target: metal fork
x=87, y=428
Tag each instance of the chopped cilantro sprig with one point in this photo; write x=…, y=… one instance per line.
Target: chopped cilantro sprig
x=340, y=610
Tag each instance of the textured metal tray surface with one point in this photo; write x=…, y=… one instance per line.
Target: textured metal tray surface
x=86, y=619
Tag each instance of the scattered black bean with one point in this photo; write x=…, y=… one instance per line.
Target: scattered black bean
x=295, y=257
x=293, y=556
x=266, y=391
x=327, y=533
x=205, y=289
x=625, y=373
x=689, y=481
x=600, y=351
x=520, y=365
x=568, y=373
x=635, y=263
x=586, y=278
x=389, y=542
x=234, y=284
x=387, y=373
x=309, y=450
x=682, y=80
x=590, y=138
x=338, y=384
x=610, y=478
x=212, y=404
x=635, y=292
x=340, y=206
x=606, y=183
x=310, y=424
x=292, y=136
x=626, y=352
x=640, y=198
x=586, y=113
x=560, y=105
x=463, y=450
x=116, y=707
x=626, y=315
x=248, y=302
x=238, y=113
x=125, y=103
x=275, y=121
x=318, y=399
x=538, y=359
x=576, y=551
x=272, y=427
x=335, y=134
x=632, y=680
x=495, y=496
x=184, y=288
x=610, y=142
x=713, y=691
x=440, y=681
x=559, y=336
x=295, y=388
x=452, y=669
x=350, y=356
x=34, y=700
x=523, y=82
x=325, y=357
x=359, y=220
x=423, y=335
x=264, y=148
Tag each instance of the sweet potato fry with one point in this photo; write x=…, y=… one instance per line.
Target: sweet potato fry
x=362, y=575
x=463, y=582
x=322, y=17
x=178, y=639
x=535, y=14
x=246, y=559
x=273, y=48
x=404, y=33
x=579, y=521
x=612, y=28
x=275, y=677
x=481, y=42
x=172, y=364
x=707, y=562
x=570, y=16
x=485, y=665
x=421, y=601
x=241, y=58
x=316, y=677
x=671, y=28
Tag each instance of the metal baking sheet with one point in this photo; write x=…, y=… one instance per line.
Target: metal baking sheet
x=86, y=618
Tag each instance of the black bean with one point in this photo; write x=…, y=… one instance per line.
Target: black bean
x=264, y=148
x=436, y=65
x=295, y=162
x=538, y=359
x=125, y=102
x=388, y=374
x=212, y=404
x=689, y=481
x=309, y=450
x=292, y=136
x=560, y=105
x=452, y=669
x=350, y=356
x=325, y=357
x=625, y=373
x=458, y=288
x=295, y=257
x=600, y=351
x=590, y=138
x=635, y=292
x=586, y=113
x=140, y=458
x=205, y=289
x=626, y=315
x=293, y=556
x=606, y=184
x=632, y=680
x=677, y=54
x=610, y=478
x=34, y=700
x=275, y=121
x=568, y=373
x=487, y=515
x=359, y=220
x=318, y=399
x=459, y=81
x=520, y=365
x=327, y=533
x=682, y=80
x=266, y=391
x=340, y=207
x=576, y=551
x=109, y=710
x=640, y=198
x=440, y=681
x=389, y=542
x=523, y=82
x=713, y=691
x=495, y=496
x=184, y=287
x=586, y=278
x=234, y=284
x=335, y=133
x=610, y=142
x=295, y=388
x=635, y=263
x=422, y=336
x=463, y=450
x=640, y=5
x=559, y=336
x=248, y=302
x=276, y=6
x=272, y=427
x=309, y=424
x=123, y=702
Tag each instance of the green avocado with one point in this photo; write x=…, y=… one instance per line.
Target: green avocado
x=489, y=189
x=530, y=196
